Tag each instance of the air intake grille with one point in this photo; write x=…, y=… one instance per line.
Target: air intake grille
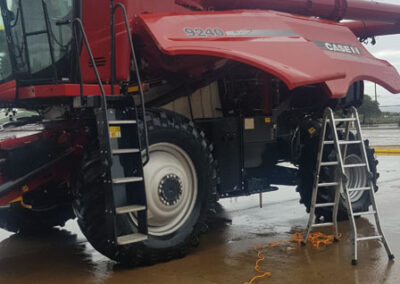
x=100, y=61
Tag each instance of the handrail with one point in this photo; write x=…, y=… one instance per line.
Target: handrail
x=78, y=23
x=138, y=78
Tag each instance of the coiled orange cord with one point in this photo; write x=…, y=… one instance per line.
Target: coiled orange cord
x=318, y=240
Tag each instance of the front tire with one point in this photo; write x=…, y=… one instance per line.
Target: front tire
x=179, y=157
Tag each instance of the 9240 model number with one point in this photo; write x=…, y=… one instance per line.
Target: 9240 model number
x=210, y=32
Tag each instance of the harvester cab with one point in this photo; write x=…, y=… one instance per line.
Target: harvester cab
x=149, y=111
x=35, y=45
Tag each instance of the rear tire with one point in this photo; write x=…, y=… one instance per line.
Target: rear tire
x=164, y=129
x=360, y=202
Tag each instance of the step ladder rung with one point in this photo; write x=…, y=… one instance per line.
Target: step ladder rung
x=328, y=184
x=358, y=189
x=323, y=225
x=319, y=205
x=355, y=165
x=125, y=151
x=121, y=122
x=127, y=180
x=369, y=238
x=343, y=142
x=364, y=213
x=130, y=209
x=344, y=129
x=325, y=164
x=345, y=119
x=130, y=239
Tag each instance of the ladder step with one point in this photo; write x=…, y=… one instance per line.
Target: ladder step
x=127, y=180
x=324, y=205
x=364, y=213
x=369, y=238
x=324, y=164
x=120, y=122
x=343, y=142
x=359, y=189
x=36, y=33
x=355, y=166
x=125, y=151
x=130, y=209
x=130, y=239
x=322, y=225
x=328, y=184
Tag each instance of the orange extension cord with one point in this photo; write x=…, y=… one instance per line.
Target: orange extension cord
x=318, y=240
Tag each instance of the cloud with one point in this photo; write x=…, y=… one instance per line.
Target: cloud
x=387, y=54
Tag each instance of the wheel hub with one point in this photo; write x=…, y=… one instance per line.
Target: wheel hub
x=170, y=189
x=357, y=177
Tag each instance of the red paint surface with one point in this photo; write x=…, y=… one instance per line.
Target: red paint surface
x=295, y=59
x=8, y=90
x=63, y=90
x=96, y=19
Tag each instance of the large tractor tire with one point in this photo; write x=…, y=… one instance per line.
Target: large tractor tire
x=180, y=188
x=18, y=219
x=357, y=177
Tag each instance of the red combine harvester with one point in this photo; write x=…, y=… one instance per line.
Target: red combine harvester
x=143, y=115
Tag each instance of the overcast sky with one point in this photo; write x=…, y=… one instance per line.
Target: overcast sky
x=387, y=48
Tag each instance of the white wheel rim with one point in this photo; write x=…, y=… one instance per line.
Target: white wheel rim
x=171, y=189
x=357, y=177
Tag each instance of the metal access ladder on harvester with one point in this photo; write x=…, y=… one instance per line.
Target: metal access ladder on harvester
x=351, y=122
x=124, y=148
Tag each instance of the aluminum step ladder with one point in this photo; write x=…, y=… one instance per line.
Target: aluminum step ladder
x=351, y=122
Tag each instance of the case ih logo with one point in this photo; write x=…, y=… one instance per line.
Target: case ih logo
x=337, y=47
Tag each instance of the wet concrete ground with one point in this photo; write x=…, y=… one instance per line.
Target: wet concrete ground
x=225, y=254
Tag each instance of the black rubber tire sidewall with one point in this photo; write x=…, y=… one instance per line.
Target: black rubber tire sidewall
x=90, y=204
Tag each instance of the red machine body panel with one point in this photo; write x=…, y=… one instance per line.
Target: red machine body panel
x=96, y=19
x=298, y=50
x=63, y=90
x=8, y=90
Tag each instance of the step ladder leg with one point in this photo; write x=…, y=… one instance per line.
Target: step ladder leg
x=378, y=225
x=353, y=226
x=342, y=178
x=335, y=213
x=385, y=243
x=346, y=138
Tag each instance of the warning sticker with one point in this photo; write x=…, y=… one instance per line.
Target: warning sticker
x=249, y=124
x=115, y=132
